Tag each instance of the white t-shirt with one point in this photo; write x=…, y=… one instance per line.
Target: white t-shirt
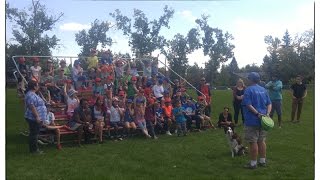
x=114, y=114
x=158, y=91
x=35, y=71
x=72, y=104
x=50, y=119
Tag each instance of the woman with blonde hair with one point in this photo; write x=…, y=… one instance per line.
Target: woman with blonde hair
x=238, y=92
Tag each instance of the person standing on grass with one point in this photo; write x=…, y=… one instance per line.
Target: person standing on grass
x=256, y=102
x=275, y=92
x=238, y=92
x=35, y=113
x=299, y=92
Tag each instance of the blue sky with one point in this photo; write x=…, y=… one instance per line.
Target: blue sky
x=247, y=20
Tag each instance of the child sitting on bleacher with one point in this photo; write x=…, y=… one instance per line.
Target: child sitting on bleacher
x=159, y=116
x=129, y=118
x=119, y=69
x=151, y=118
x=167, y=116
x=178, y=114
x=134, y=70
x=109, y=84
x=77, y=74
x=57, y=92
x=132, y=88
x=98, y=87
x=45, y=93
x=48, y=126
x=66, y=70
x=93, y=59
x=154, y=66
x=22, y=79
x=103, y=69
x=98, y=117
x=35, y=70
x=50, y=67
x=115, y=116
x=140, y=121
x=72, y=101
x=147, y=70
x=200, y=108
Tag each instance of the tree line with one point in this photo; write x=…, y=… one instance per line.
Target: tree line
x=286, y=57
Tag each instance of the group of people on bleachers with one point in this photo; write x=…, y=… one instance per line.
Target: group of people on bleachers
x=121, y=99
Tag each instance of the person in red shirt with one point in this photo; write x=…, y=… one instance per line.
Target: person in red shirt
x=167, y=115
x=204, y=88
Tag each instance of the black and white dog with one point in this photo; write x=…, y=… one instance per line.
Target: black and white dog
x=235, y=143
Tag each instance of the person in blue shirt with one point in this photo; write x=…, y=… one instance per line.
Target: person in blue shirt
x=255, y=102
x=190, y=109
x=35, y=113
x=178, y=114
x=275, y=92
x=98, y=87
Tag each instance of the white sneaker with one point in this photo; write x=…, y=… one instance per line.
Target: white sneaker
x=176, y=131
x=168, y=133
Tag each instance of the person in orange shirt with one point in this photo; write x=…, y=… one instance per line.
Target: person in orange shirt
x=167, y=115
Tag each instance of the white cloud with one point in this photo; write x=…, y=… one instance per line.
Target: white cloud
x=186, y=14
x=74, y=26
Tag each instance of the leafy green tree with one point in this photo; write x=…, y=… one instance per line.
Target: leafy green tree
x=216, y=45
x=96, y=35
x=286, y=39
x=143, y=35
x=30, y=29
x=290, y=58
x=194, y=74
x=178, y=49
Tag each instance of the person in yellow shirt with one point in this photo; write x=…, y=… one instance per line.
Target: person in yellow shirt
x=93, y=60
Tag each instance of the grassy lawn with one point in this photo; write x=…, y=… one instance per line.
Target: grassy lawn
x=205, y=155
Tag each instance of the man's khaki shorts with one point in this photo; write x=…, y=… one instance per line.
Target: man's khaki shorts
x=253, y=134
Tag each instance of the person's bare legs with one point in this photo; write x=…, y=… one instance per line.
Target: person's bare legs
x=100, y=131
x=253, y=151
x=262, y=152
x=58, y=138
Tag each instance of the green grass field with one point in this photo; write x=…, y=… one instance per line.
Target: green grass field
x=205, y=155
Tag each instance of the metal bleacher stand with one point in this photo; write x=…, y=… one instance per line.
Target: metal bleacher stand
x=62, y=118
